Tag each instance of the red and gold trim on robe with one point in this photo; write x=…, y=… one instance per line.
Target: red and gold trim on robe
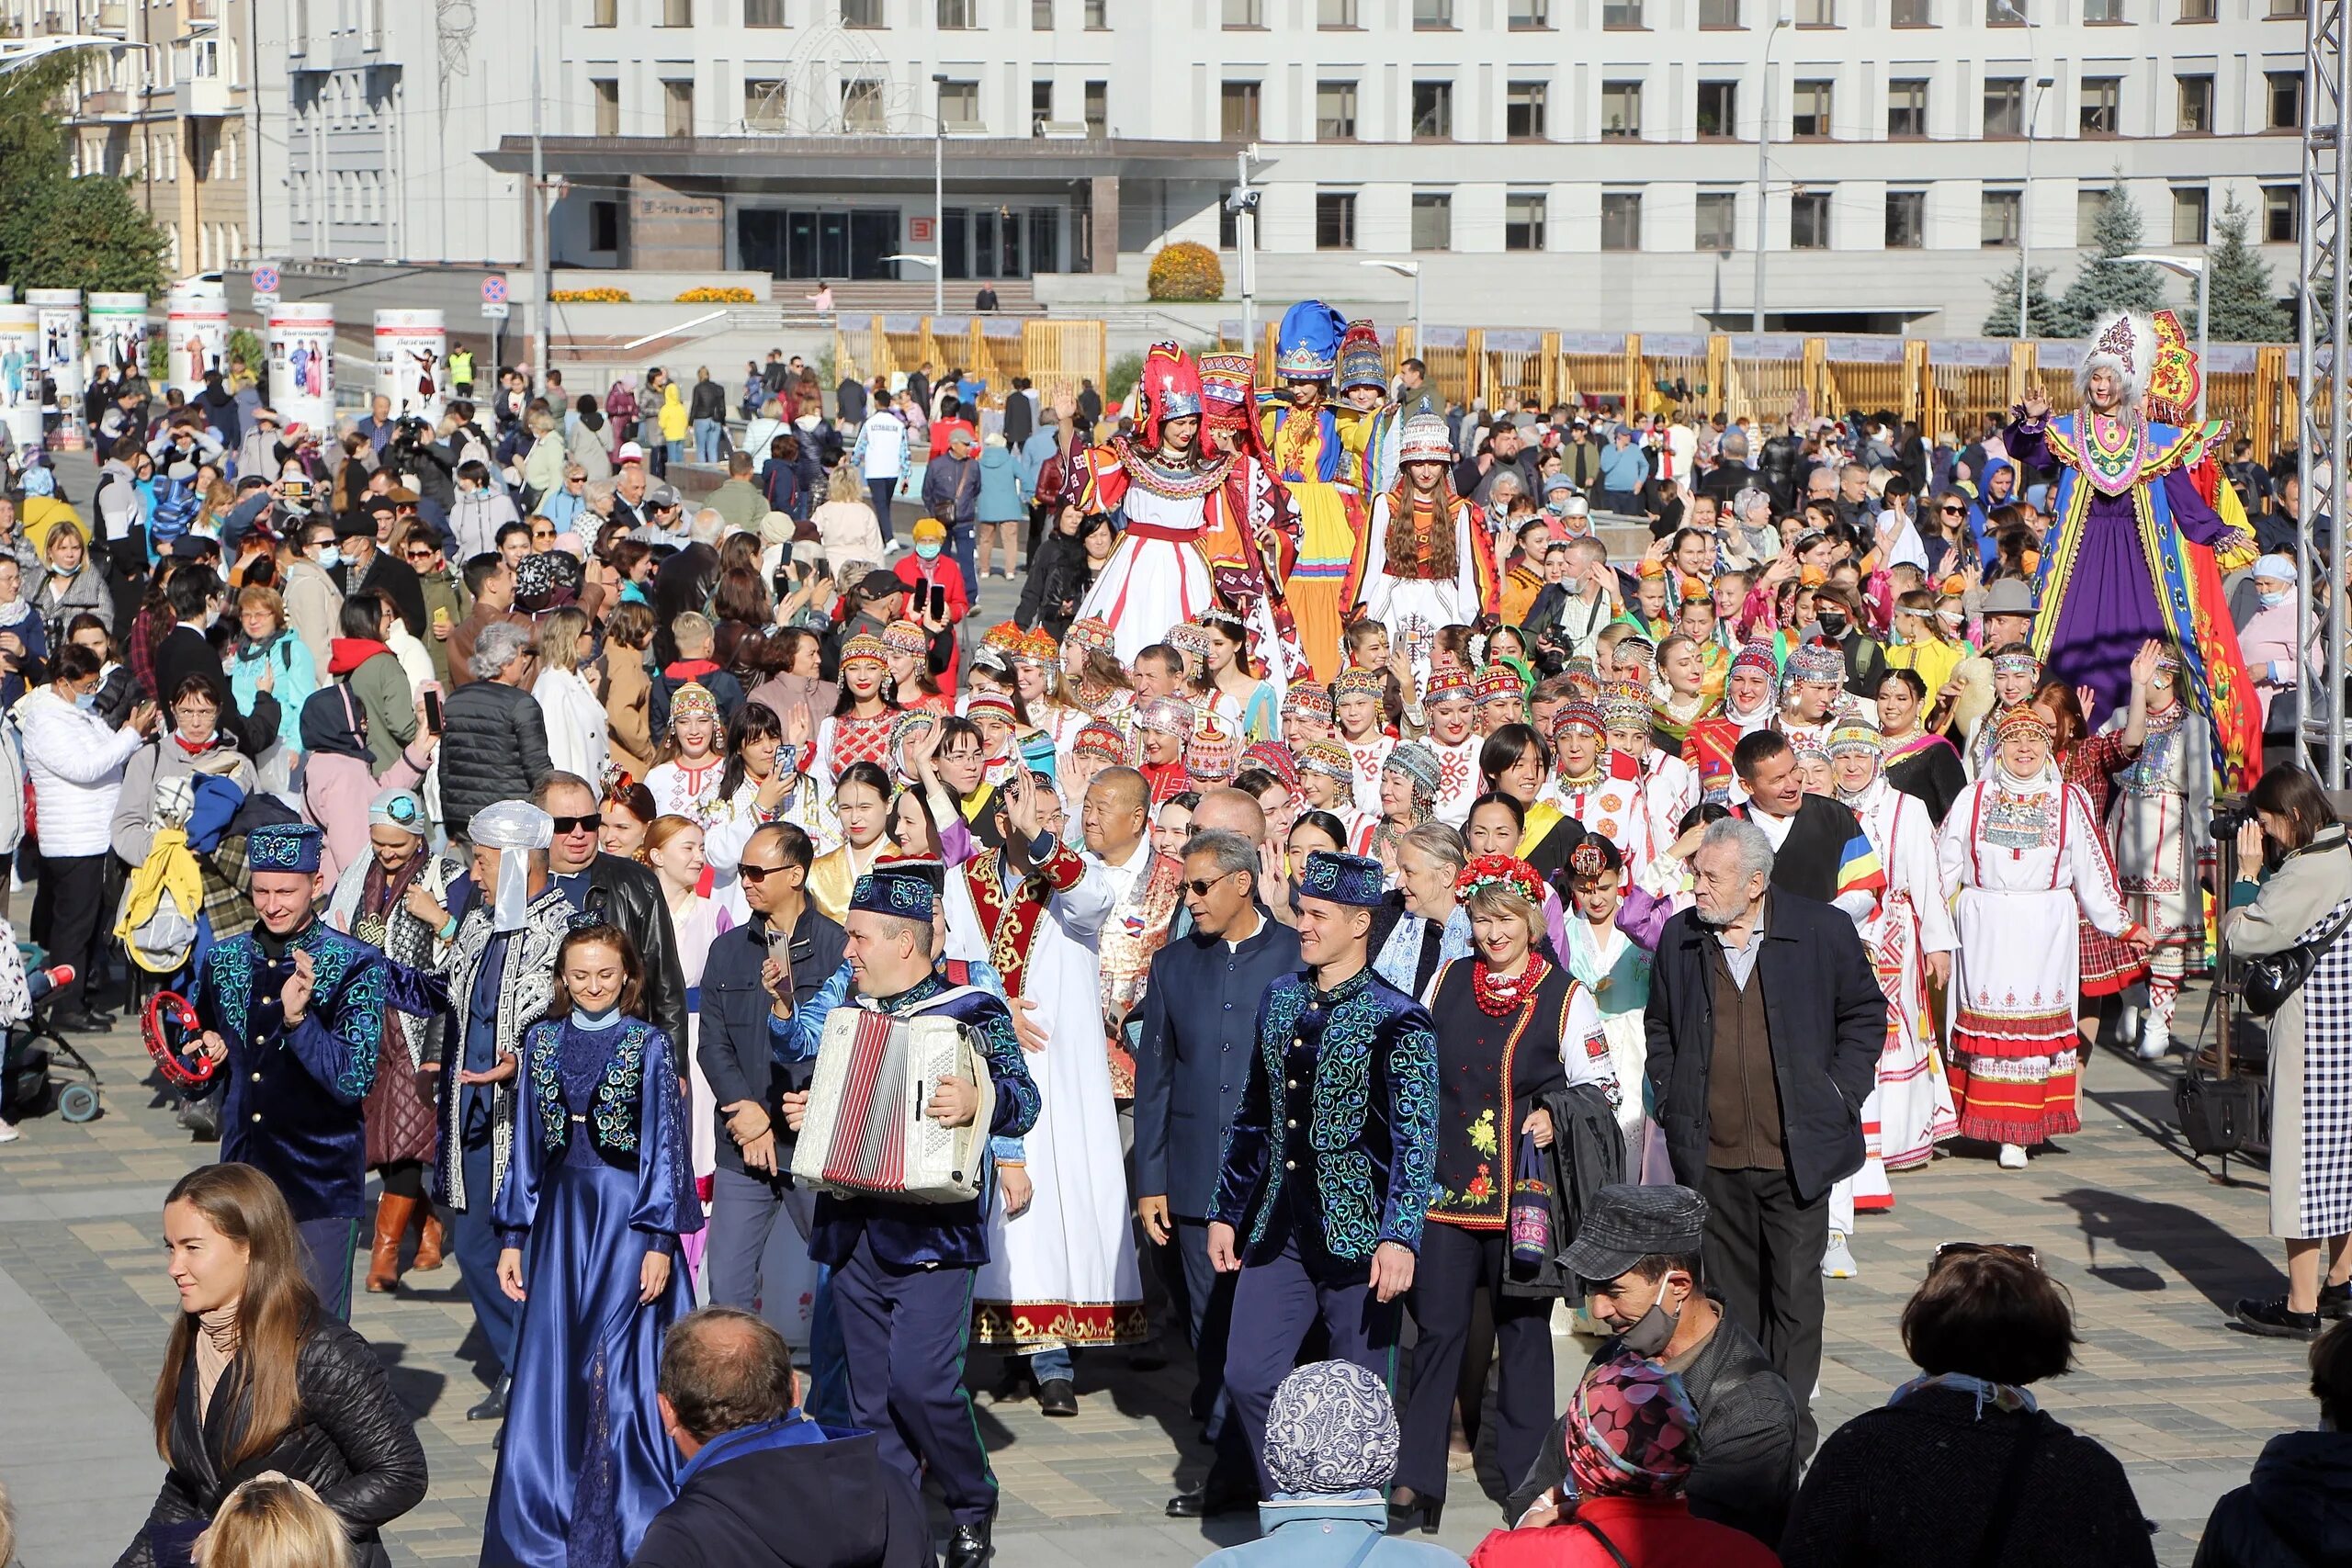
x=1078, y=1324
x=1010, y=912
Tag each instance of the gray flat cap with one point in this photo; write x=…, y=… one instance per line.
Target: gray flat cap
x=1627, y=1223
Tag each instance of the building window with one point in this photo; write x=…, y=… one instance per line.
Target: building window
x=1523, y=215
x=2088, y=206
x=1906, y=219
x=2109, y=12
x=959, y=104
x=1809, y=221
x=1911, y=14
x=1718, y=108
x=2005, y=13
x=1432, y=220
x=957, y=16
x=764, y=103
x=1244, y=13
x=2188, y=208
x=1098, y=16
x=2286, y=99
x=1339, y=13
x=677, y=108
x=1718, y=218
x=604, y=225
x=1335, y=220
x=1719, y=13
x=764, y=13
x=862, y=14
x=1335, y=111
x=2283, y=214
x=2197, y=10
x=1239, y=106
x=2195, y=105
x=1621, y=12
x=1433, y=13
x=1527, y=16
x=1433, y=112
x=1816, y=13
x=1907, y=108
x=601, y=14
x=2102, y=111
x=605, y=92
x=1620, y=221
x=1098, y=108
x=2283, y=8
x=1524, y=110
x=1809, y=115
x=1621, y=109
x=1041, y=16
x=1997, y=224
x=863, y=107
x=2004, y=106
x=677, y=13
x=1041, y=106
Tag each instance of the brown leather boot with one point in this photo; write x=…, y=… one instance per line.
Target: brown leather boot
x=392, y=1216
x=429, y=1240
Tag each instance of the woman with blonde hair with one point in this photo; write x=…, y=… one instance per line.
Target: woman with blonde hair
x=272, y=1521
x=846, y=526
x=309, y=1400
x=576, y=718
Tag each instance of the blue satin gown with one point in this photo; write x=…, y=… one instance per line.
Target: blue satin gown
x=599, y=1176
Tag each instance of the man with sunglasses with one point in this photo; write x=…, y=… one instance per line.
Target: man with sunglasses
x=368, y=567
x=1200, y=1019
x=626, y=892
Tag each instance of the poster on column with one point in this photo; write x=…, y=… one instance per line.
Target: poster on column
x=300, y=347
x=196, y=325
x=412, y=362
x=119, y=331
x=20, y=400
x=60, y=345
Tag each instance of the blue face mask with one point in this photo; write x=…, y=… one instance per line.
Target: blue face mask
x=2272, y=601
x=927, y=550
x=88, y=702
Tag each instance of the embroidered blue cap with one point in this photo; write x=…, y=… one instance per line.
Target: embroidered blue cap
x=907, y=886
x=284, y=846
x=1342, y=879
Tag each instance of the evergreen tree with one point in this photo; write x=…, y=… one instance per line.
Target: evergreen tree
x=2106, y=284
x=2246, y=304
x=2042, y=311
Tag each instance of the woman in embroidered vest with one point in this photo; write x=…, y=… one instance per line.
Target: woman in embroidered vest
x=862, y=806
x=693, y=754
x=2022, y=848
x=858, y=730
x=1508, y=1020
x=601, y=1190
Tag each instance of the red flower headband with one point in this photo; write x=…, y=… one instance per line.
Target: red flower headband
x=1508, y=872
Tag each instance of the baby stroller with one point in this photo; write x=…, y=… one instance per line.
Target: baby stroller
x=32, y=1054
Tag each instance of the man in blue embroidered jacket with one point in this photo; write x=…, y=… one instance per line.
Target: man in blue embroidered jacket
x=902, y=1272
x=1327, y=1164
x=294, y=1010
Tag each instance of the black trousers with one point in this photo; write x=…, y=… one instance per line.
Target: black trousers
x=69, y=911
x=1207, y=1297
x=1763, y=1259
x=1453, y=1266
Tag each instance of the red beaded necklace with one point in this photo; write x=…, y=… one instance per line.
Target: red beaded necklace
x=1497, y=996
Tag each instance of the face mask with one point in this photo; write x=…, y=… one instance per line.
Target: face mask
x=927, y=551
x=88, y=702
x=2272, y=601
x=328, y=557
x=1832, y=625
x=1650, y=1332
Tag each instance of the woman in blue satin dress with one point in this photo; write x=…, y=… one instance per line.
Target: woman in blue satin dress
x=598, y=1193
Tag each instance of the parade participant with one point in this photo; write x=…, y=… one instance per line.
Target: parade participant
x=862, y=808
x=1409, y=783
x=2157, y=826
x=1501, y=696
x=1682, y=668
x=1812, y=687
x=1254, y=546
x=1200, y=1009
x=627, y=810
x=1145, y=887
x=1324, y=479
x=1357, y=698
x=1037, y=677
x=1922, y=765
x=1097, y=682
x=1667, y=785
x=2017, y=675
x=1749, y=702
x=2090, y=762
x=1370, y=424
x=1516, y=761
x=1598, y=787
x=2135, y=552
x=600, y=1188
x=1615, y=969
x=1327, y=1224
x=907, y=650
x=760, y=782
x=903, y=1272
x=1162, y=726
x=674, y=852
x=1513, y=1028
x=391, y=900
x=1447, y=706
x=500, y=969
x=1420, y=926
x=1211, y=755
x=693, y=754
x=1307, y=712
x=1819, y=850
x=1910, y=939
x=293, y=1010
x=1327, y=782
x=1228, y=687
x=1427, y=558
x=2023, y=850
x=1097, y=746
x=858, y=730
x=623, y=891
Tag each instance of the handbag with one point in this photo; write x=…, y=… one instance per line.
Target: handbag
x=2274, y=977
x=1531, y=1208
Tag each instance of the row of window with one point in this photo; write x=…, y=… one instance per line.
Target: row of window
x=1526, y=218
x=768, y=106
x=1522, y=16
x=953, y=15
x=1527, y=108
x=337, y=195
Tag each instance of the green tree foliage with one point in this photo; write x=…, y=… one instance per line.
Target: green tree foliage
x=2042, y=310
x=1122, y=377
x=58, y=232
x=2246, y=303
x=2104, y=284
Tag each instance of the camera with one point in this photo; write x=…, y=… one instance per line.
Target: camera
x=2229, y=816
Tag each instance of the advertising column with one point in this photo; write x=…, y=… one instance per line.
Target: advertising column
x=412, y=362
x=196, y=330
x=61, y=347
x=299, y=344
x=20, y=404
x=119, y=331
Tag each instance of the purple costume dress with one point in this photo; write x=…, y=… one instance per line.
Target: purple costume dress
x=2109, y=604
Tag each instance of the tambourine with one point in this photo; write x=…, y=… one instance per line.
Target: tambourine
x=169, y=1029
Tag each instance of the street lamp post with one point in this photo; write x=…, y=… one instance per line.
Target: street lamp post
x=541, y=279
x=2194, y=269
x=939, y=193
x=1411, y=269
x=2025, y=196
x=1763, y=162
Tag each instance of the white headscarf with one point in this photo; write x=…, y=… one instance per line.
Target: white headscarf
x=507, y=827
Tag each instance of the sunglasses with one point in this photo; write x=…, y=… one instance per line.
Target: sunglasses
x=1200, y=885
x=1953, y=511
x=588, y=824
x=755, y=874
x=1972, y=1248
x=419, y=555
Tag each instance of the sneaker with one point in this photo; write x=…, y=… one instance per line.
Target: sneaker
x=1837, y=1261
x=2273, y=1321
x=8, y=1134
x=2012, y=1156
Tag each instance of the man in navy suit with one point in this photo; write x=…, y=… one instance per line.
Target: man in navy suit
x=1200, y=1018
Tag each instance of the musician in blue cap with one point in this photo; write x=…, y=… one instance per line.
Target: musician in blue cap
x=294, y=1010
x=1330, y=1161
x=902, y=1274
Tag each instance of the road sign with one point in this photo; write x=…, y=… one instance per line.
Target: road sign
x=493, y=296
x=264, y=279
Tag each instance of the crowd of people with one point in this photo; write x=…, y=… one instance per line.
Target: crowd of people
x=536, y=840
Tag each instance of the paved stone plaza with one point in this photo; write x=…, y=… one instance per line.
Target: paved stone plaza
x=2152, y=1250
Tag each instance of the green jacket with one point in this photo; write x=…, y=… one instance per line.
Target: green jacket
x=741, y=503
x=440, y=594
x=381, y=686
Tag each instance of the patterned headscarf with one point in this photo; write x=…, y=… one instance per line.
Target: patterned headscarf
x=1419, y=764
x=1331, y=1430
x=1631, y=1431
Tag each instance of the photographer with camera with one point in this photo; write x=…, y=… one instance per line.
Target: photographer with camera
x=2294, y=870
x=414, y=456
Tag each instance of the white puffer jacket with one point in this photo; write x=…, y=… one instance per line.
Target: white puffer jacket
x=76, y=763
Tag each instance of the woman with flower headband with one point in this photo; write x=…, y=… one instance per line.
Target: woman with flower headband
x=1604, y=957
x=693, y=754
x=1514, y=1029
x=858, y=730
x=2022, y=848
x=1228, y=687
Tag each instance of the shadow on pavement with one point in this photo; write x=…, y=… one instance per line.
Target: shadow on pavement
x=2218, y=1265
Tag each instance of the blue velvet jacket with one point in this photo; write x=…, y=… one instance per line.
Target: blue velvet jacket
x=294, y=1097
x=914, y=1235
x=1335, y=1145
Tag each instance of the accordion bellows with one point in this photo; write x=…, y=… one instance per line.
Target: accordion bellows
x=865, y=1130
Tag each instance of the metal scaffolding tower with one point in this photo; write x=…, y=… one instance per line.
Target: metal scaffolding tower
x=2320, y=371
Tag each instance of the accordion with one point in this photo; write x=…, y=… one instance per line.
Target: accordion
x=865, y=1130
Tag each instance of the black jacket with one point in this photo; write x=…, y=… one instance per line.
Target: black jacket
x=830, y=1505
x=394, y=579
x=707, y=400
x=734, y=1046
x=186, y=651
x=1587, y=1153
x=2296, y=1510
x=1826, y=1018
x=631, y=898
x=355, y=1445
x=494, y=748
x=1746, y=1471
x=1052, y=545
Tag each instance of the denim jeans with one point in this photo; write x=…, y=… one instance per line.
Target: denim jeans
x=706, y=440
x=1047, y=1365
x=962, y=539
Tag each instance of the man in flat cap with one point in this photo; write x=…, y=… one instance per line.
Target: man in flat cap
x=1638, y=1255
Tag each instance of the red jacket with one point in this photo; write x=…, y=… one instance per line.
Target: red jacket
x=941, y=429
x=1651, y=1532
x=945, y=572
